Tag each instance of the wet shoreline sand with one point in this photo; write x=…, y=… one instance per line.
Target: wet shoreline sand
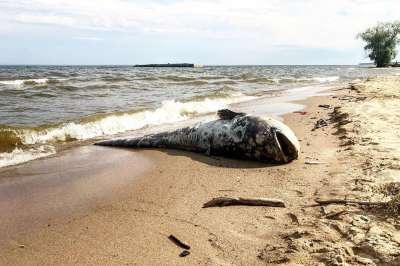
x=132, y=226
x=49, y=190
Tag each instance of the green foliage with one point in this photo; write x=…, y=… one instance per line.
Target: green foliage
x=381, y=42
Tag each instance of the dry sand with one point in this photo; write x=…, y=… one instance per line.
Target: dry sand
x=130, y=224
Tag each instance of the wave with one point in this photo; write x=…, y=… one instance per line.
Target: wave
x=326, y=79
x=20, y=139
x=169, y=111
x=307, y=79
x=274, y=80
x=192, y=83
x=262, y=80
x=148, y=78
x=224, y=92
x=244, y=76
x=212, y=77
x=22, y=82
x=114, y=78
x=176, y=78
x=18, y=155
x=224, y=82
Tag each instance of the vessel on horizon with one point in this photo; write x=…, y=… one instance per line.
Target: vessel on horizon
x=169, y=65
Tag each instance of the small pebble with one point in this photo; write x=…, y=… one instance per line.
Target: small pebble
x=184, y=253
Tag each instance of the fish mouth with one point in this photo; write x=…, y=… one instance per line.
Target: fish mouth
x=287, y=150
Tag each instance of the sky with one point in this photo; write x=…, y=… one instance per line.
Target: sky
x=231, y=32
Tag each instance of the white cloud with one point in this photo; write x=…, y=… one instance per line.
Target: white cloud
x=262, y=23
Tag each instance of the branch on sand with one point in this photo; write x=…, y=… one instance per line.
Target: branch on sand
x=346, y=202
x=225, y=201
x=177, y=242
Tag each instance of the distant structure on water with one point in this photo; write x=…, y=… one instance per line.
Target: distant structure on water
x=366, y=64
x=169, y=65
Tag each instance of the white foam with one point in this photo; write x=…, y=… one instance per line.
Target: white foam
x=326, y=79
x=20, y=82
x=305, y=79
x=18, y=155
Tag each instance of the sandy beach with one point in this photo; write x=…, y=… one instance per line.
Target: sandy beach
x=118, y=207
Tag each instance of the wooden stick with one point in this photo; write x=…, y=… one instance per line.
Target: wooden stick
x=335, y=215
x=225, y=201
x=177, y=242
x=344, y=202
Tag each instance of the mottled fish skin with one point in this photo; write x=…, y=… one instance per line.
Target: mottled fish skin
x=242, y=136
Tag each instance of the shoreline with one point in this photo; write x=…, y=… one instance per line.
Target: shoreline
x=273, y=103
x=133, y=225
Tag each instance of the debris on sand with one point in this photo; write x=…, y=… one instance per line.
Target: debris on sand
x=225, y=201
x=184, y=253
x=320, y=123
x=313, y=162
x=177, y=242
x=294, y=218
x=326, y=106
x=347, y=202
x=273, y=254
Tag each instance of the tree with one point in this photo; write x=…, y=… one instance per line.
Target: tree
x=381, y=42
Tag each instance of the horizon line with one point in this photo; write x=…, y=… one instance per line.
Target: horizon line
x=194, y=64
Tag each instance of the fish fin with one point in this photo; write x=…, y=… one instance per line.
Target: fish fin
x=226, y=114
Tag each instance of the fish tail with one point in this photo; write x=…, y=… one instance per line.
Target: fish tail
x=128, y=143
x=148, y=141
x=179, y=139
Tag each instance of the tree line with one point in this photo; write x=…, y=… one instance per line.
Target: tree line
x=381, y=41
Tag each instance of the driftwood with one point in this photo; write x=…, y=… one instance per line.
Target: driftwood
x=345, y=202
x=225, y=201
x=335, y=215
x=313, y=162
x=177, y=242
x=326, y=106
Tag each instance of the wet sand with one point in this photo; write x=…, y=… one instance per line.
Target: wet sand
x=128, y=222
x=47, y=191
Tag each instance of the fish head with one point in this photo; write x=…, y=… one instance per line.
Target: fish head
x=281, y=144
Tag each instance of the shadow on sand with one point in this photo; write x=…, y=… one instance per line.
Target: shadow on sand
x=216, y=161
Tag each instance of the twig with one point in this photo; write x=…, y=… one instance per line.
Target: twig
x=345, y=202
x=177, y=242
x=357, y=180
x=313, y=162
x=335, y=215
x=225, y=201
